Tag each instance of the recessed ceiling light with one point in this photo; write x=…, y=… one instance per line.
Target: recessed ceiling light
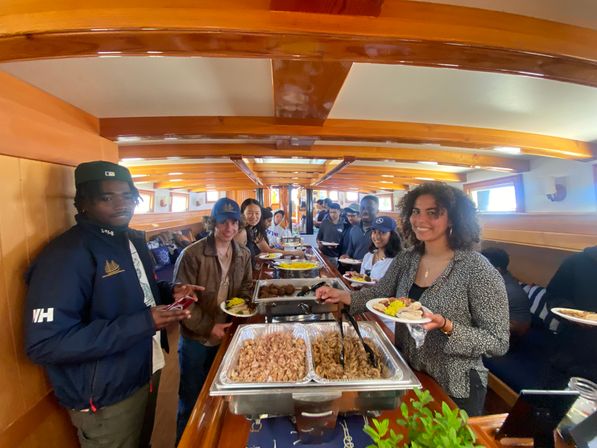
x=128, y=139
x=132, y=159
x=170, y=138
x=427, y=162
x=424, y=178
x=174, y=174
x=385, y=182
x=499, y=168
x=386, y=175
x=175, y=180
x=135, y=176
x=295, y=178
x=507, y=149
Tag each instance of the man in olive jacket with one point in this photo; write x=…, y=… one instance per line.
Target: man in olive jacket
x=223, y=267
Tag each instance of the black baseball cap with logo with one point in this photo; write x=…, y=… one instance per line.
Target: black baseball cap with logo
x=101, y=170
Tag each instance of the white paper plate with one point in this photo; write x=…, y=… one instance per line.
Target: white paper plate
x=270, y=256
x=561, y=313
x=372, y=302
x=360, y=282
x=223, y=308
x=327, y=243
x=349, y=261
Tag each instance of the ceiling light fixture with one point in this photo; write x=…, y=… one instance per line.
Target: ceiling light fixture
x=385, y=182
x=386, y=175
x=424, y=178
x=427, y=162
x=136, y=176
x=507, y=149
x=175, y=180
x=174, y=174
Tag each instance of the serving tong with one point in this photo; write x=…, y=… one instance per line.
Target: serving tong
x=368, y=349
x=311, y=289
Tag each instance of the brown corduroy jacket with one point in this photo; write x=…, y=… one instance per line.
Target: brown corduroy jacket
x=198, y=265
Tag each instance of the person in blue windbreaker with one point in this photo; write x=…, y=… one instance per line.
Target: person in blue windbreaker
x=93, y=312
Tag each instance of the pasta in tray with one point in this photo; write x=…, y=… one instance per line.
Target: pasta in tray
x=274, y=357
x=326, y=358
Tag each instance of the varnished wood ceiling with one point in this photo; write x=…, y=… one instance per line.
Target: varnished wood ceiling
x=340, y=81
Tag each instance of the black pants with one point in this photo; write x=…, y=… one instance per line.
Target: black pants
x=475, y=402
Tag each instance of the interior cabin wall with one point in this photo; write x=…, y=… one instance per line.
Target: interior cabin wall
x=46, y=138
x=578, y=178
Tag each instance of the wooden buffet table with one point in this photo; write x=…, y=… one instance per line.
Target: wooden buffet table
x=212, y=425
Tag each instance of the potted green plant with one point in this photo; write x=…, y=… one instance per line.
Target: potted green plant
x=426, y=428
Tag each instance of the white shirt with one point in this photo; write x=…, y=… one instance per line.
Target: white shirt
x=158, y=361
x=275, y=232
x=378, y=270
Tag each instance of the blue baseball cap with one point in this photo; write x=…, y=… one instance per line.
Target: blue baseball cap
x=335, y=206
x=224, y=209
x=384, y=224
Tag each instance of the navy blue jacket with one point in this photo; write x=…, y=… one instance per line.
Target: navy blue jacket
x=86, y=321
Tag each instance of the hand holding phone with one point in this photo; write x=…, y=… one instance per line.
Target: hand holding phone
x=181, y=304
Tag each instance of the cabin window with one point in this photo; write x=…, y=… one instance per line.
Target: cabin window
x=274, y=196
x=180, y=202
x=145, y=204
x=334, y=195
x=322, y=194
x=505, y=194
x=212, y=196
x=385, y=203
x=352, y=196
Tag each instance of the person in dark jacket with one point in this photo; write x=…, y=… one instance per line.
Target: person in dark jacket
x=574, y=285
x=330, y=232
x=92, y=311
x=518, y=301
x=360, y=235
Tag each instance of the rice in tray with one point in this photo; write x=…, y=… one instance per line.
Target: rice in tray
x=272, y=357
x=326, y=358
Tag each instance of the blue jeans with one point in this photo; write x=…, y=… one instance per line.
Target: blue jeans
x=195, y=360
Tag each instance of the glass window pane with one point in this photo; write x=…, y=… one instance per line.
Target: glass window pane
x=385, y=203
x=498, y=199
x=212, y=196
x=352, y=196
x=179, y=203
x=144, y=205
x=334, y=195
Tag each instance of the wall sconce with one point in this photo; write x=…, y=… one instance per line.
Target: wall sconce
x=556, y=189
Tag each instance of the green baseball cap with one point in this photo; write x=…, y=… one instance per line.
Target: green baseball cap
x=101, y=170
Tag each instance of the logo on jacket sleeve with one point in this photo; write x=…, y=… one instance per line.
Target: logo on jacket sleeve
x=111, y=268
x=43, y=315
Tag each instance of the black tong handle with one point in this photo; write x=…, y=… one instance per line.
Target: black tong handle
x=368, y=349
x=311, y=289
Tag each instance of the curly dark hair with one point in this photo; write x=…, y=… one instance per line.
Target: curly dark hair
x=465, y=230
x=91, y=191
x=392, y=248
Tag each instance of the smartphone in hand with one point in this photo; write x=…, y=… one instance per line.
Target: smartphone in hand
x=181, y=304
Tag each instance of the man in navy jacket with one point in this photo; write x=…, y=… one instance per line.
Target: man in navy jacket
x=92, y=311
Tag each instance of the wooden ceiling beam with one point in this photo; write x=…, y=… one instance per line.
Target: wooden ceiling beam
x=481, y=159
x=410, y=33
x=188, y=168
x=345, y=163
x=288, y=167
x=241, y=165
x=216, y=183
x=346, y=130
x=402, y=172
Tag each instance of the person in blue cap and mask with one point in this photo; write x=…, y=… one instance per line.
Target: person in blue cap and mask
x=385, y=245
x=93, y=314
x=224, y=267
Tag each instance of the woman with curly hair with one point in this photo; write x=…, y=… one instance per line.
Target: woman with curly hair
x=465, y=293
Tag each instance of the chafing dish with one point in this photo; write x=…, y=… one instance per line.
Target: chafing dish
x=259, y=400
x=293, y=305
x=292, y=268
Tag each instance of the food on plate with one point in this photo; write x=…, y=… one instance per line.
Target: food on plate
x=270, y=256
x=588, y=315
x=274, y=357
x=236, y=305
x=326, y=358
x=298, y=265
x=403, y=308
x=356, y=277
x=268, y=291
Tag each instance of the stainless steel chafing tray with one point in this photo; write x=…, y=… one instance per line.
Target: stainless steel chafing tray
x=256, y=400
x=291, y=305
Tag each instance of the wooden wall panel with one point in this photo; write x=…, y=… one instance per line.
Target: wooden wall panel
x=46, y=138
